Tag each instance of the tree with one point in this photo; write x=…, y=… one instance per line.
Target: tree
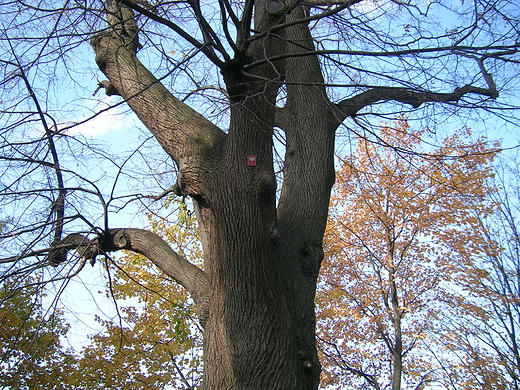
x=31, y=353
x=484, y=322
x=296, y=70
x=402, y=232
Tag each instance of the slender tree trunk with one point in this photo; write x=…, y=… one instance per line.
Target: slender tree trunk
x=397, y=353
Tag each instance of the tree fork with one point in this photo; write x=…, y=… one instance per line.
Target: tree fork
x=250, y=339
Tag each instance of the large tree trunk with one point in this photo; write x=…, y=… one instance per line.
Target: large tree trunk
x=259, y=333
x=261, y=267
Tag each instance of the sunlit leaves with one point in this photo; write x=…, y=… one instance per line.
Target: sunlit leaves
x=31, y=355
x=400, y=235
x=154, y=340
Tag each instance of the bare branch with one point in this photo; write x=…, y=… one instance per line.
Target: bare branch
x=58, y=205
x=465, y=51
x=206, y=49
x=349, y=107
x=344, y=4
x=140, y=241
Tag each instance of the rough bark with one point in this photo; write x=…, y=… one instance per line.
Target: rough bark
x=308, y=119
x=256, y=292
x=189, y=138
x=248, y=341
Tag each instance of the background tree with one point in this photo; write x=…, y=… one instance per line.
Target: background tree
x=400, y=226
x=484, y=322
x=32, y=356
x=257, y=71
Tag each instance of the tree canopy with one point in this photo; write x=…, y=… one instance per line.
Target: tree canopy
x=403, y=231
x=240, y=106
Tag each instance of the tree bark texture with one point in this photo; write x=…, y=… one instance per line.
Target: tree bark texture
x=262, y=255
x=256, y=296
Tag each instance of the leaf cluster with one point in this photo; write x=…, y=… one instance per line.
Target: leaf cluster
x=32, y=356
x=401, y=234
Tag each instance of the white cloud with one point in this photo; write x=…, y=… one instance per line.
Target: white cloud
x=98, y=119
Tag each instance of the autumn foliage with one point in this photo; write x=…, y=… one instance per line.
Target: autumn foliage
x=31, y=353
x=401, y=238
x=154, y=341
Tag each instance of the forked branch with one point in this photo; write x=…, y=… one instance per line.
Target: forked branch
x=351, y=106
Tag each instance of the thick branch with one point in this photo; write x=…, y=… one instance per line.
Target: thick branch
x=306, y=120
x=83, y=246
x=183, y=133
x=172, y=122
x=159, y=252
x=140, y=241
x=350, y=107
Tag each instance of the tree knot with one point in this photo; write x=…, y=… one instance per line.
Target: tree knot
x=85, y=248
